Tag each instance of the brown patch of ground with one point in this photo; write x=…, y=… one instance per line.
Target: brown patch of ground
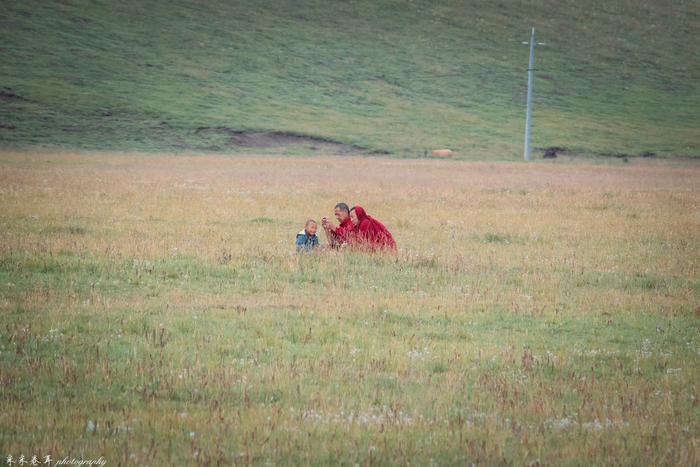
x=6, y=95
x=554, y=151
x=271, y=139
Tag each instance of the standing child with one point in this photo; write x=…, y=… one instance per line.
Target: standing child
x=307, y=239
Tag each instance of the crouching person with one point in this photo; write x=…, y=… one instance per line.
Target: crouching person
x=307, y=239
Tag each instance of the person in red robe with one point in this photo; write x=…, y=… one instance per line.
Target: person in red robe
x=370, y=234
x=344, y=233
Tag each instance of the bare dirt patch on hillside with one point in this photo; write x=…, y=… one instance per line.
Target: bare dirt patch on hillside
x=228, y=137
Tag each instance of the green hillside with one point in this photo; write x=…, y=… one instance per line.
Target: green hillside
x=402, y=77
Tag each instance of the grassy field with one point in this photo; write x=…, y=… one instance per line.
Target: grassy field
x=154, y=312
x=615, y=77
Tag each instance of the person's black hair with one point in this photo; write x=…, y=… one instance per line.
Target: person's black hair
x=343, y=207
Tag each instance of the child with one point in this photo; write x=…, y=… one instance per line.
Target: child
x=307, y=239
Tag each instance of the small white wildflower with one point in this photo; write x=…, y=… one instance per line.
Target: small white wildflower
x=419, y=354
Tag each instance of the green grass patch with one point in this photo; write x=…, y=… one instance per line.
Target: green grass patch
x=381, y=75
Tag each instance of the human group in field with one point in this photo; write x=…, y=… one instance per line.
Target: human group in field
x=355, y=230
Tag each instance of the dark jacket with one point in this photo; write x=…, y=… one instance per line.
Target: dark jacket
x=306, y=242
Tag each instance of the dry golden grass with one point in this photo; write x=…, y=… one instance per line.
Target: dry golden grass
x=535, y=313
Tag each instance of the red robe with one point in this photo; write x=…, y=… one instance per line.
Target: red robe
x=371, y=234
x=344, y=233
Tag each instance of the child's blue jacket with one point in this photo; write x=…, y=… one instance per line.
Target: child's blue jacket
x=306, y=242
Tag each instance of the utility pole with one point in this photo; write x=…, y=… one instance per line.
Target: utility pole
x=530, y=78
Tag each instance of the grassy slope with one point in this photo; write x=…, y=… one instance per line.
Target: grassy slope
x=399, y=76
